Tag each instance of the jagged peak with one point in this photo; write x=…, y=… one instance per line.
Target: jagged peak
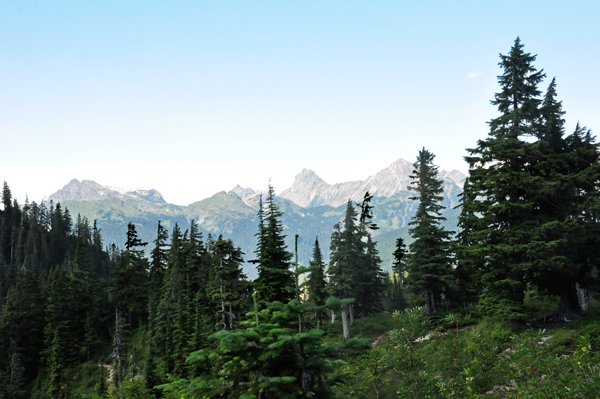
x=242, y=191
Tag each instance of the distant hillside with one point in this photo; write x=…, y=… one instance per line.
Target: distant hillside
x=311, y=207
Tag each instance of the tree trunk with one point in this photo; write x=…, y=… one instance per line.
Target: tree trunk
x=333, y=316
x=223, y=315
x=351, y=309
x=585, y=297
x=569, y=304
x=427, y=301
x=345, y=326
x=231, y=316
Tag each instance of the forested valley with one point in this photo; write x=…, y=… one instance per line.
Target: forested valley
x=501, y=308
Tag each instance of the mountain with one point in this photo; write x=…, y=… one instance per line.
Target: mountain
x=307, y=186
x=143, y=199
x=309, y=190
x=310, y=209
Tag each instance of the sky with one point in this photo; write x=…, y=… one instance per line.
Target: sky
x=192, y=98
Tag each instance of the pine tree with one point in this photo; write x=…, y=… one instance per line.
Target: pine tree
x=130, y=279
x=566, y=177
x=229, y=286
x=429, y=265
x=346, y=256
x=166, y=318
x=21, y=331
x=395, y=291
x=316, y=283
x=275, y=281
x=268, y=358
x=370, y=284
x=158, y=265
x=501, y=216
x=468, y=263
x=399, y=262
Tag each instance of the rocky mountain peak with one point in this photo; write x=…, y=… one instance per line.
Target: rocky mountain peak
x=89, y=190
x=242, y=191
x=307, y=185
x=84, y=190
x=455, y=175
x=310, y=190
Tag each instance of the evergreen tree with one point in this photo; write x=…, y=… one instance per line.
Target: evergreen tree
x=64, y=332
x=399, y=263
x=429, y=266
x=468, y=263
x=524, y=182
x=317, y=284
x=21, y=334
x=395, y=292
x=275, y=281
x=130, y=279
x=567, y=175
x=229, y=286
x=268, y=358
x=346, y=256
x=370, y=285
x=158, y=265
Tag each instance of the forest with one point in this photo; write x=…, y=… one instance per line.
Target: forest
x=501, y=308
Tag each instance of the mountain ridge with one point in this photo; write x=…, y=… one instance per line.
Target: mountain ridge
x=233, y=213
x=309, y=190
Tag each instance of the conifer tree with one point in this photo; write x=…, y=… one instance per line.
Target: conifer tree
x=468, y=263
x=316, y=283
x=158, y=265
x=566, y=177
x=399, y=261
x=370, y=285
x=268, y=358
x=346, y=255
x=166, y=318
x=503, y=212
x=275, y=281
x=130, y=279
x=21, y=333
x=229, y=286
x=429, y=265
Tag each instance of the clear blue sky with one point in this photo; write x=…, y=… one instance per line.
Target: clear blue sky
x=193, y=97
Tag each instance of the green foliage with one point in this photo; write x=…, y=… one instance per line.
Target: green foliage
x=429, y=263
x=316, y=284
x=275, y=281
x=131, y=389
x=268, y=355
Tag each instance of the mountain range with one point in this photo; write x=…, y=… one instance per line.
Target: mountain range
x=311, y=207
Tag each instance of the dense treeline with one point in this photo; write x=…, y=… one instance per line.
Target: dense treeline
x=79, y=318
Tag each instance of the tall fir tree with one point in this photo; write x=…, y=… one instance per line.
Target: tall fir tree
x=129, y=282
x=316, y=284
x=229, y=288
x=429, y=263
x=510, y=172
x=467, y=274
x=395, y=291
x=346, y=254
x=559, y=249
x=275, y=280
x=370, y=284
